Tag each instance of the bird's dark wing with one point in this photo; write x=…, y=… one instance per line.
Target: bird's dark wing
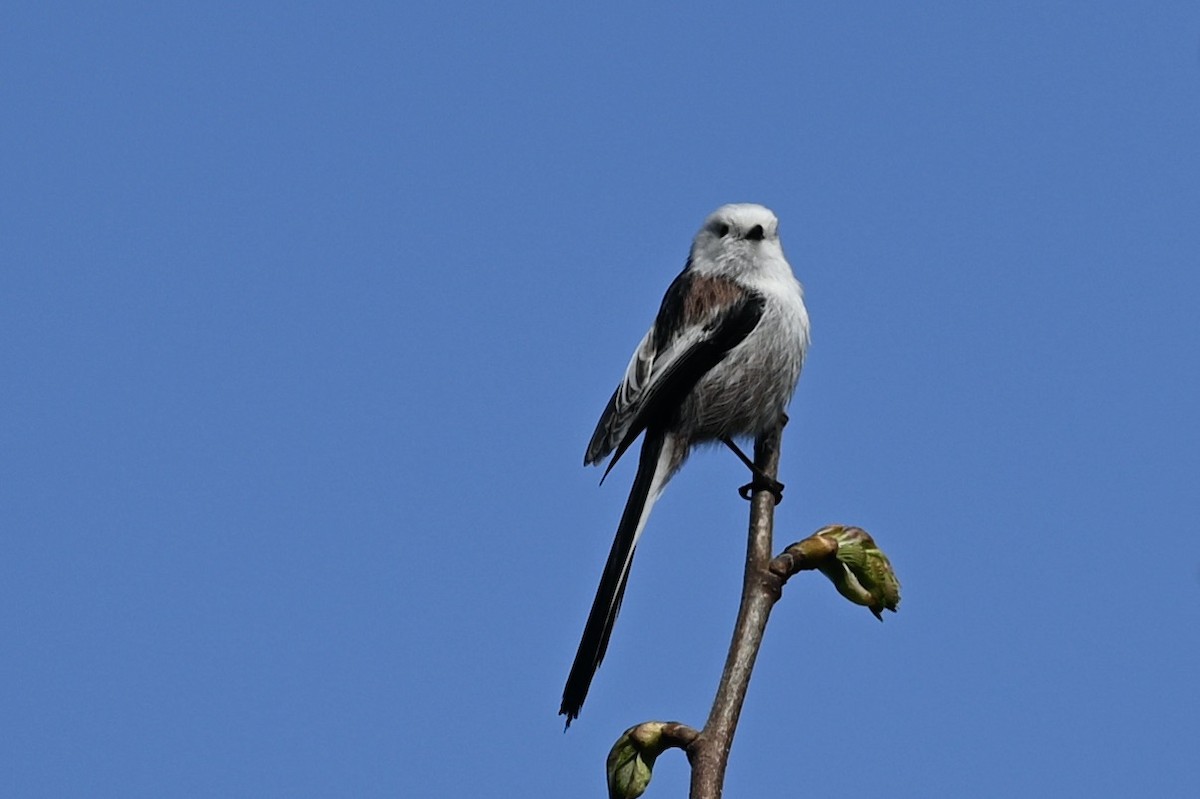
x=701, y=319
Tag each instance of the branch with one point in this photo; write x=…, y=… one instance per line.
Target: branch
x=846, y=555
x=761, y=588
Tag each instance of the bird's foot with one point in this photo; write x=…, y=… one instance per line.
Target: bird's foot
x=762, y=483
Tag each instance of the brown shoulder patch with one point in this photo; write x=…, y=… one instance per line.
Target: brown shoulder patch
x=709, y=294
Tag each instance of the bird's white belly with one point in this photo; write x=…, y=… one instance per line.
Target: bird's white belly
x=747, y=392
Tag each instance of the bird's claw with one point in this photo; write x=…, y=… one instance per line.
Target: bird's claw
x=746, y=492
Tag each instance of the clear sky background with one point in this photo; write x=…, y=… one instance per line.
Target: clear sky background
x=308, y=311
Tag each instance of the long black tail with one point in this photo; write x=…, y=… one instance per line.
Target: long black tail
x=607, y=603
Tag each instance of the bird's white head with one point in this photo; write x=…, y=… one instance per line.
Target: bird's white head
x=737, y=238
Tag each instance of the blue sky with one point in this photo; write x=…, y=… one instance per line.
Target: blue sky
x=307, y=313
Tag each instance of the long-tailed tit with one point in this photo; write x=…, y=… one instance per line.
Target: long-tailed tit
x=720, y=362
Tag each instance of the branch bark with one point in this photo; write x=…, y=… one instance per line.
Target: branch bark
x=848, y=556
x=761, y=588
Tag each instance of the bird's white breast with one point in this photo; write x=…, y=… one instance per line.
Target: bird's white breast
x=747, y=392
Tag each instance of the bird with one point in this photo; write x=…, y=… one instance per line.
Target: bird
x=721, y=361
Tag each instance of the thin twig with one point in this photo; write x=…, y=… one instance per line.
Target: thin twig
x=761, y=588
x=848, y=556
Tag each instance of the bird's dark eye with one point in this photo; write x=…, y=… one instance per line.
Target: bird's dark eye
x=756, y=233
x=721, y=229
